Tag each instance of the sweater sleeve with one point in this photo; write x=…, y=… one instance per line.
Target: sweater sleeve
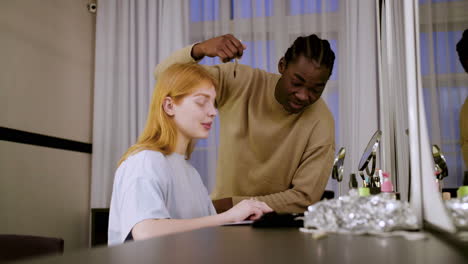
x=223, y=73
x=180, y=56
x=307, y=186
x=464, y=131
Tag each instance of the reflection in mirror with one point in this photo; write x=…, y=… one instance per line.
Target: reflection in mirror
x=456, y=202
x=337, y=172
x=444, y=67
x=441, y=170
x=369, y=156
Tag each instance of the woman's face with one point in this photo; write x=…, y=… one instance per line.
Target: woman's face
x=194, y=114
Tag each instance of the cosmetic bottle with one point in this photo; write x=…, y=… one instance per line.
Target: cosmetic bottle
x=364, y=191
x=375, y=182
x=387, y=185
x=463, y=190
x=353, y=184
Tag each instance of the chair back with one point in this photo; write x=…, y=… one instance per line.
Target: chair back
x=14, y=247
x=99, y=226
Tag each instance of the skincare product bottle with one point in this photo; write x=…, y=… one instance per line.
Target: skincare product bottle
x=375, y=183
x=463, y=190
x=377, y=179
x=446, y=196
x=387, y=185
x=353, y=184
x=364, y=191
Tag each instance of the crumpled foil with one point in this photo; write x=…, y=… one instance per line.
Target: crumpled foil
x=356, y=214
x=458, y=209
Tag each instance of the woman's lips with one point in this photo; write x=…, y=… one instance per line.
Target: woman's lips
x=207, y=125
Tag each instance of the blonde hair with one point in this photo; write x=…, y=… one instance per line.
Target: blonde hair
x=160, y=133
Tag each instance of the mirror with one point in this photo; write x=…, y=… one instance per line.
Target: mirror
x=441, y=169
x=444, y=75
x=369, y=156
x=337, y=172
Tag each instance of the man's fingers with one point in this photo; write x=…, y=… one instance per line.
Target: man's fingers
x=237, y=44
x=226, y=47
x=230, y=54
x=233, y=50
x=223, y=56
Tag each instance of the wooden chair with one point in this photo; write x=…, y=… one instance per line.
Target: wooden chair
x=99, y=226
x=14, y=247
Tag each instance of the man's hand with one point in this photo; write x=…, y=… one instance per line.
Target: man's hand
x=226, y=47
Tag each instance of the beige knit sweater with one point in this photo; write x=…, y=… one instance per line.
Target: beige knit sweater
x=265, y=152
x=464, y=131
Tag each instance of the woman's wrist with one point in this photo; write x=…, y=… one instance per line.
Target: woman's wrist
x=224, y=218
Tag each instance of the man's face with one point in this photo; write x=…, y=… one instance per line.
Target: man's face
x=465, y=64
x=301, y=84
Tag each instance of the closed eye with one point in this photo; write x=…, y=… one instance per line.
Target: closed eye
x=317, y=91
x=201, y=100
x=296, y=83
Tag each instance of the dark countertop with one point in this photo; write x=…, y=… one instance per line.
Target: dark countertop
x=244, y=244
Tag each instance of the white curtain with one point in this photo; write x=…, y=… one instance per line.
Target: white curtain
x=358, y=80
x=425, y=198
x=445, y=83
x=131, y=38
x=393, y=97
x=268, y=28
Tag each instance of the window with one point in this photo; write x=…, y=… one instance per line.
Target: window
x=204, y=10
x=300, y=7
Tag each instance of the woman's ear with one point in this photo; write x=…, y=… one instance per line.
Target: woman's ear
x=168, y=106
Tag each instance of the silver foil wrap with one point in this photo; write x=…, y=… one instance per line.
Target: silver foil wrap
x=356, y=214
x=458, y=209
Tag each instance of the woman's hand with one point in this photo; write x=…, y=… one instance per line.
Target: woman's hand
x=246, y=210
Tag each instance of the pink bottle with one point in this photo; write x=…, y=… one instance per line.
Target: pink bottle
x=387, y=185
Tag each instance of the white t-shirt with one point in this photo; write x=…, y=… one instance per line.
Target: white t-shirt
x=150, y=185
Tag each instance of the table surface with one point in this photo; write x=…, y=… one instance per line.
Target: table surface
x=244, y=244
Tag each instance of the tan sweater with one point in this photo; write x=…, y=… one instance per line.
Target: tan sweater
x=265, y=152
x=464, y=131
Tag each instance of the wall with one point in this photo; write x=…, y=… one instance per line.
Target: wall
x=46, y=87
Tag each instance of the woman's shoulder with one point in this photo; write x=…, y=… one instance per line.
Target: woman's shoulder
x=146, y=156
x=147, y=162
x=142, y=171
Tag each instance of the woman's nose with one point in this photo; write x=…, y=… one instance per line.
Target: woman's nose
x=213, y=111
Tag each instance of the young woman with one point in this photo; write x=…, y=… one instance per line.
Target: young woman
x=156, y=191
